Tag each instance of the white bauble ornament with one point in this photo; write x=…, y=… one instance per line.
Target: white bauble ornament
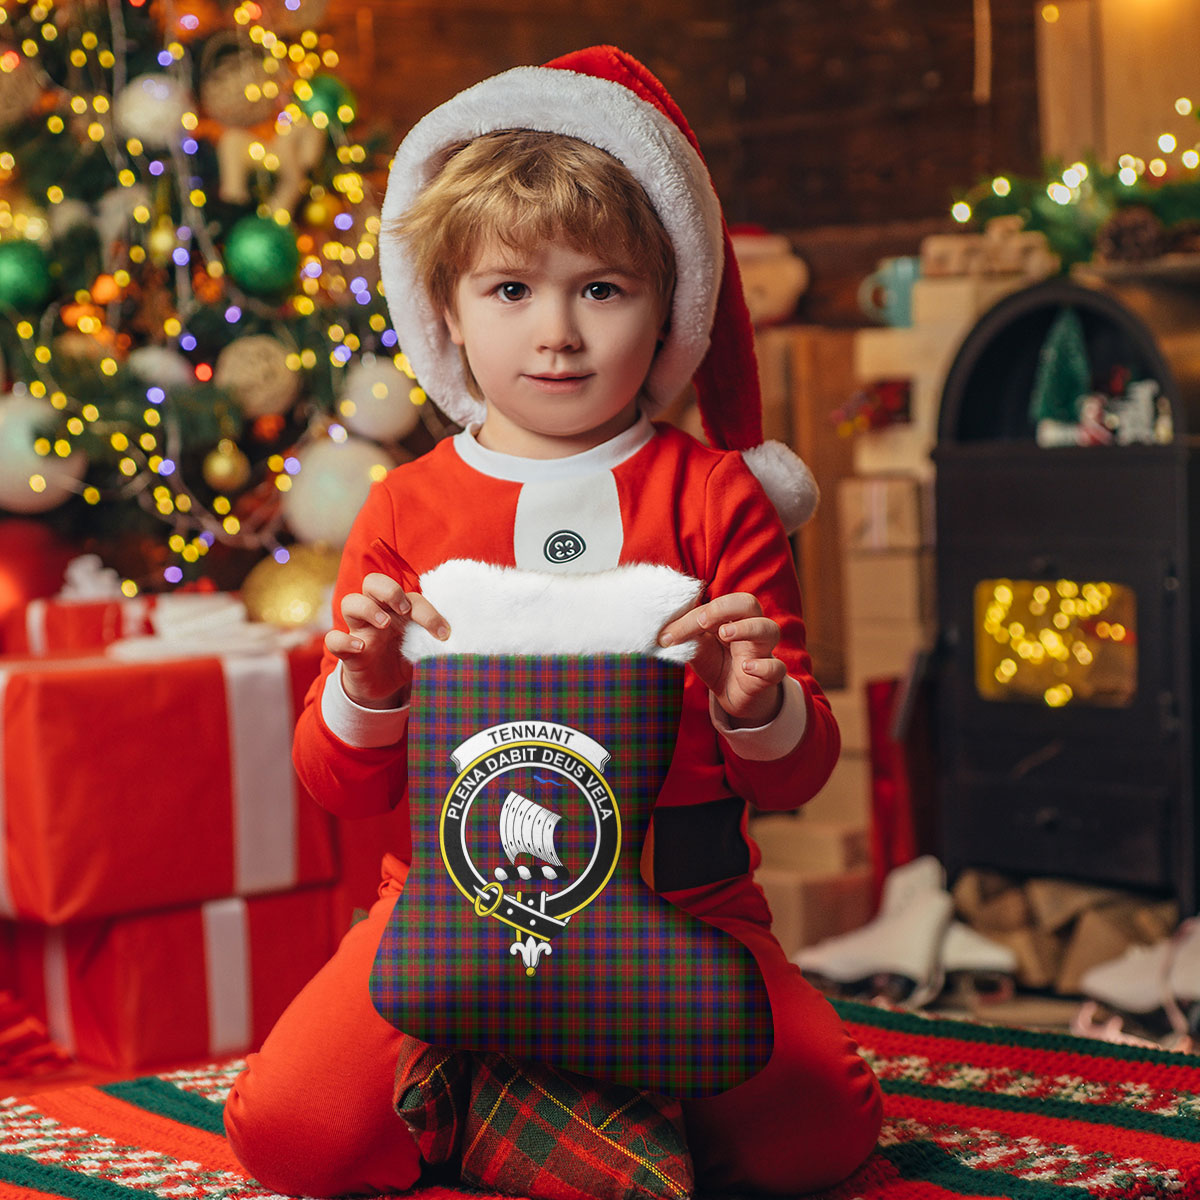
x=66, y=215
x=150, y=108
x=255, y=370
x=79, y=348
x=375, y=400
x=161, y=366
x=114, y=216
x=330, y=488
x=20, y=90
x=24, y=419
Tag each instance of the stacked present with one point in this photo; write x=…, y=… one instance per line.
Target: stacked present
x=887, y=574
x=168, y=885
x=816, y=875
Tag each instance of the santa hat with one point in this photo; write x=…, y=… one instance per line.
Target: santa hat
x=607, y=98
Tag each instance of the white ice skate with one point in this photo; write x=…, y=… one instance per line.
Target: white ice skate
x=898, y=953
x=983, y=968
x=1156, y=987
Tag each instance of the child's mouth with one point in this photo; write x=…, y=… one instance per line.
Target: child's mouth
x=558, y=383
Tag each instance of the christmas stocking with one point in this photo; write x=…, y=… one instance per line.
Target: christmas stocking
x=539, y=736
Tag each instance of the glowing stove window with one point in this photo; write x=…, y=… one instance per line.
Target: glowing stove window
x=1056, y=642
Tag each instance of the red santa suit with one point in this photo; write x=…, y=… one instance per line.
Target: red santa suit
x=651, y=495
x=313, y=1111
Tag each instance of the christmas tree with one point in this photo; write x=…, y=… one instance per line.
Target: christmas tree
x=196, y=357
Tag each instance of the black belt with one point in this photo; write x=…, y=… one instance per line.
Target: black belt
x=698, y=844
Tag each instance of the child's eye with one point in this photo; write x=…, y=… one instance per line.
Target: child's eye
x=512, y=291
x=601, y=291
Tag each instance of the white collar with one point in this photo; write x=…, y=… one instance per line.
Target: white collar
x=514, y=469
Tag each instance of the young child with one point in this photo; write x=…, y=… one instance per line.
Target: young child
x=558, y=271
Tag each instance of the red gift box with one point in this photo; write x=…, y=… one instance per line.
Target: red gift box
x=173, y=987
x=131, y=786
x=52, y=625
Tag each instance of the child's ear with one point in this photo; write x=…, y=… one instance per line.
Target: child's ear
x=452, y=327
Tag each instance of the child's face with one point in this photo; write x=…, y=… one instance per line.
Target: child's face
x=559, y=342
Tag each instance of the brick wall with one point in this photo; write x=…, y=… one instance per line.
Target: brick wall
x=810, y=113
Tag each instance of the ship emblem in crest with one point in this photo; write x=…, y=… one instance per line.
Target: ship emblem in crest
x=517, y=784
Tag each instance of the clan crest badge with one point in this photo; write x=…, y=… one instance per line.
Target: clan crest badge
x=530, y=829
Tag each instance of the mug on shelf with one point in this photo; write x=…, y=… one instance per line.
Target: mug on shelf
x=886, y=294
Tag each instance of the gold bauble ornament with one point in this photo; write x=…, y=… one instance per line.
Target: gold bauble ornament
x=295, y=593
x=237, y=89
x=162, y=242
x=318, y=213
x=255, y=370
x=226, y=468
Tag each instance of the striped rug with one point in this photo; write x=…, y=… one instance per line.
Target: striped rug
x=972, y=1111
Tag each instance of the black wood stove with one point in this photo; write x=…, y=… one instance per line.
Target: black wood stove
x=1068, y=656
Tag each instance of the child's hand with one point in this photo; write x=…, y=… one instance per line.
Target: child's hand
x=734, y=656
x=374, y=674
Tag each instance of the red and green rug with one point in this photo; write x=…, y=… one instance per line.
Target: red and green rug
x=972, y=1110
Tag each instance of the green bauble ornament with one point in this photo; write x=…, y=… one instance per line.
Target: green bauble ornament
x=24, y=275
x=328, y=95
x=262, y=255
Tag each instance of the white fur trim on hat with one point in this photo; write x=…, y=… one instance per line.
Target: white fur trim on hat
x=505, y=610
x=786, y=479
x=604, y=114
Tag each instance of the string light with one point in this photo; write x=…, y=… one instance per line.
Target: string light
x=134, y=438
x=1047, y=639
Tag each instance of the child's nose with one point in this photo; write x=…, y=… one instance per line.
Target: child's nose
x=558, y=329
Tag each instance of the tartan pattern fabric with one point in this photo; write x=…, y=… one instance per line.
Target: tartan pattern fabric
x=526, y=1129
x=625, y=988
x=533, y=1131
x=432, y=1089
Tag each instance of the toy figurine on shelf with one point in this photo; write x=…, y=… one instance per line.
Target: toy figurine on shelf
x=1067, y=409
x=875, y=406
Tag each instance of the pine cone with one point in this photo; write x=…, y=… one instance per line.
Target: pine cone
x=1132, y=234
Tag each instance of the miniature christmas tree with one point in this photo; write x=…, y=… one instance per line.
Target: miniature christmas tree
x=194, y=345
x=1063, y=375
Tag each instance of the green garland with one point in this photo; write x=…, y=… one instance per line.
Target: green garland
x=1072, y=228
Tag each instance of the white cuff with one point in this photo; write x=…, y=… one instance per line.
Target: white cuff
x=765, y=743
x=356, y=725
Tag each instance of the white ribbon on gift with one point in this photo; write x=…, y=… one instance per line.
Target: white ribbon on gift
x=35, y=626
x=56, y=979
x=132, y=617
x=258, y=695
x=227, y=975
x=86, y=581
x=226, y=972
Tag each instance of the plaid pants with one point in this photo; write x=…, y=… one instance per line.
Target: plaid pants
x=312, y=1114
x=526, y=1129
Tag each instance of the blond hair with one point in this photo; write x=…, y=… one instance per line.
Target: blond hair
x=520, y=188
